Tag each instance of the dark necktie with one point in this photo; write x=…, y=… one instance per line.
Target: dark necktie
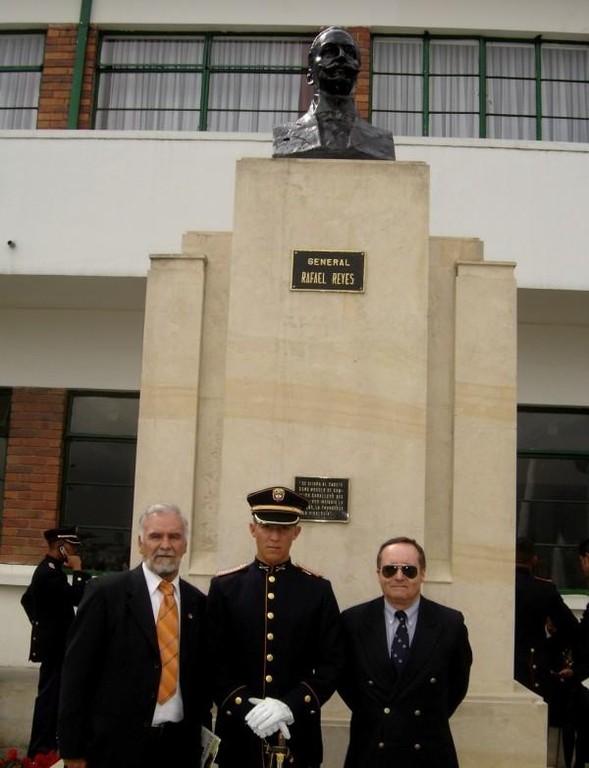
x=400, y=644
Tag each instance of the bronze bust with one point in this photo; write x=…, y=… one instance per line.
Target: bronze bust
x=332, y=127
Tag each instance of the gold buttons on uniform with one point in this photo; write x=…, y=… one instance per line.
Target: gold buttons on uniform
x=270, y=595
x=307, y=699
x=387, y=711
x=417, y=713
x=271, y=579
x=381, y=745
x=268, y=678
x=238, y=700
x=269, y=657
x=370, y=682
x=433, y=680
x=270, y=615
x=270, y=635
x=417, y=746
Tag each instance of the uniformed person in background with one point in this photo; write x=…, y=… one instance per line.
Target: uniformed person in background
x=536, y=601
x=49, y=602
x=275, y=631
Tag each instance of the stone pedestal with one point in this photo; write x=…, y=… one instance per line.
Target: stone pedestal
x=407, y=389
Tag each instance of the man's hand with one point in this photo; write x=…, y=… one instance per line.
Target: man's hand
x=268, y=716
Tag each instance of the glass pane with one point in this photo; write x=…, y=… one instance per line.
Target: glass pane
x=112, y=416
x=22, y=50
x=155, y=51
x=398, y=55
x=454, y=57
x=98, y=506
x=511, y=60
x=553, y=430
x=553, y=511
x=105, y=550
x=565, y=62
x=505, y=127
x=454, y=125
x=101, y=462
x=397, y=92
x=260, y=52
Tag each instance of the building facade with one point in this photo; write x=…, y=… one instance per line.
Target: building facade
x=120, y=128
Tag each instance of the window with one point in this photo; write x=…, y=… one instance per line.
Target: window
x=21, y=60
x=201, y=82
x=466, y=87
x=99, y=473
x=553, y=489
x=4, y=419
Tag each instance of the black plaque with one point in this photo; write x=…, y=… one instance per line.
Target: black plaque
x=328, y=497
x=328, y=271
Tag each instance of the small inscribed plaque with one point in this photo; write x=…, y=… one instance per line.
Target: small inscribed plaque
x=328, y=271
x=328, y=497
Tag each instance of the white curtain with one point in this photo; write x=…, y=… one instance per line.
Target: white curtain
x=565, y=93
x=157, y=100
x=397, y=89
x=511, y=91
x=19, y=91
x=168, y=100
x=397, y=86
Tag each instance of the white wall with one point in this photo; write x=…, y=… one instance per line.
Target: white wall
x=98, y=203
x=524, y=16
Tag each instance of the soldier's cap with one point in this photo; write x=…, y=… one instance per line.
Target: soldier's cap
x=63, y=534
x=277, y=505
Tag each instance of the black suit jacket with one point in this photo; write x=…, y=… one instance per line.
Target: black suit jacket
x=112, y=669
x=536, y=600
x=403, y=720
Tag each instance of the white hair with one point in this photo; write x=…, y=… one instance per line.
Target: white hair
x=161, y=509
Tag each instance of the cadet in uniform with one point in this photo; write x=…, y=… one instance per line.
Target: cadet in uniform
x=275, y=631
x=49, y=602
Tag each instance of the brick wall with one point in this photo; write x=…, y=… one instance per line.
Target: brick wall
x=58, y=74
x=33, y=472
x=362, y=95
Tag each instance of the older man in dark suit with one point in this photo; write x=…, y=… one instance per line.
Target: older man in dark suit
x=135, y=691
x=407, y=668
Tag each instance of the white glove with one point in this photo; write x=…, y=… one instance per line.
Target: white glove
x=268, y=716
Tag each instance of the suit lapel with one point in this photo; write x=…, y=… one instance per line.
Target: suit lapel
x=375, y=645
x=426, y=637
x=140, y=606
x=189, y=616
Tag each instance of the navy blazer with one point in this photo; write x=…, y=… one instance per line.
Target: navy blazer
x=403, y=720
x=112, y=669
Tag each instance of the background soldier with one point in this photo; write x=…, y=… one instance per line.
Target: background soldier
x=276, y=640
x=49, y=602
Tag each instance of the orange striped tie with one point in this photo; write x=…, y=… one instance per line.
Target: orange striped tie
x=167, y=637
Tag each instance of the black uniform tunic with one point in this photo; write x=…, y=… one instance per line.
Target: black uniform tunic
x=276, y=633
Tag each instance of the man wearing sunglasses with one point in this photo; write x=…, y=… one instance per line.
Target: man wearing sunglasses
x=407, y=668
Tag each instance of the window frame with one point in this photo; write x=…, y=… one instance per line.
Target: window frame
x=71, y=437
x=553, y=454
x=537, y=43
x=24, y=69
x=206, y=69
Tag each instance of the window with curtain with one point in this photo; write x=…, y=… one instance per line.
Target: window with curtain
x=481, y=88
x=99, y=475
x=200, y=82
x=21, y=61
x=553, y=489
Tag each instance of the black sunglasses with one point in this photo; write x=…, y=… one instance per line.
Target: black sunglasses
x=410, y=571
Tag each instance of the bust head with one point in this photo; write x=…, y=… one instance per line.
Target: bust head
x=334, y=62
